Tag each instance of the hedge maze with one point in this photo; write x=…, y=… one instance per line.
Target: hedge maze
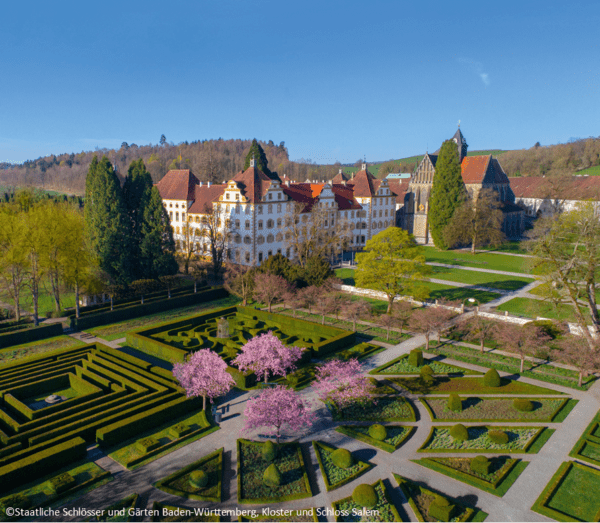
x=104, y=395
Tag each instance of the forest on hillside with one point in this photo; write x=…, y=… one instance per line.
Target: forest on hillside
x=218, y=160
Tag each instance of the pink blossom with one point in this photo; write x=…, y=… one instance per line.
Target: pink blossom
x=266, y=354
x=273, y=408
x=204, y=374
x=342, y=383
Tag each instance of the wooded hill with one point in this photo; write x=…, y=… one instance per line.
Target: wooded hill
x=218, y=160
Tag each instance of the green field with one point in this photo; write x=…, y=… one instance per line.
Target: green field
x=591, y=171
x=496, y=262
x=485, y=279
x=11, y=354
x=532, y=308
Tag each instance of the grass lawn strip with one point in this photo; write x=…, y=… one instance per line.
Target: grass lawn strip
x=484, y=279
x=132, y=457
x=482, y=260
x=511, y=364
x=119, y=510
x=251, y=467
x=334, y=476
x=34, y=349
x=447, y=385
x=532, y=308
x=178, y=483
x=587, y=447
x=521, y=440
x=505, y=472
x=400, y=365
x=419, y=498
x=87, y=476
x=164, y=512
x=493, y=409
x=349, y=510
x=293, y=516
x=571, y=494
x=381, y=409
x=396, y=436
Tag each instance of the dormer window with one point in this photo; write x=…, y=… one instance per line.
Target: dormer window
x=270, y=196
x=227, y=196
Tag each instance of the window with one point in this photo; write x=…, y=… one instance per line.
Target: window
x=171, y=215
x=260, y=224
x=386, y=213
x=247, y=240
x=278, y=251
x=197, y=219
x=176, y=216
x=259, y=209
x=270, y=238
x=260, y=240
x=247, y=257
x=326, y=223
x=237, y=197
x=363, y=239
x=247, y=224
x=237, y=238
x=278, y=222
x=227, y=196
x=237, y=224
x=332, y=222
x=279, y=198
x=182, y=216
x=380, y=213
x=270, y=198
x=269, y=224
x=278, y=207
x=260, y=257
x=270, y=210
x=177, y=206
x=269, y=254
x=170, y=204
x=352, y=214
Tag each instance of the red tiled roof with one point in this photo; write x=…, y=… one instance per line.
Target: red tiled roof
x=177, y=185
x=204, y=196
x=344, y=197
x=399, y=188
x=474, y=168
x=499, y=174
x=339, y=178
x=365, y=184
x=254, y=183
x=563, y=188
x=306, y=193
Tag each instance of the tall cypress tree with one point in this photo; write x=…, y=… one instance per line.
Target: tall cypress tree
x=257, y=152
x=447, y=193
x=157, y=246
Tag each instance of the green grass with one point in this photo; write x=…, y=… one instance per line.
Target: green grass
x=587, y=447
x=511, y=246
x=400, y=365
x=482, y=260
x=396, y=435
x=114, y=331
x=532, y=308
x=485, y=279
x=571, y=494
x=45, y=299
x=37, y=348
x=591, y=171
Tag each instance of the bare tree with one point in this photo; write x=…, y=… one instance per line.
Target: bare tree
x=356, y=310
x=427, y=320
x=523, y=340
x=575, y=351
x=326, y=305
x=269, y=288
x=402, y=310
x=216, y=229
x=476, y=328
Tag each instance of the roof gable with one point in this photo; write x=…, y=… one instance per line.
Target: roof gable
x=475, y=168
x=178, y=185
x=204, y=196
x=253, y=183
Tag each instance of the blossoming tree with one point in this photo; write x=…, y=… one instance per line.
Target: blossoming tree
x=266, y=354
x=275, y=408
x=204, y=374
x=342, y=383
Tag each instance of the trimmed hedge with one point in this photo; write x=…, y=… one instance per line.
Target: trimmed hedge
x=492, y=379
x=348, y=430
x=27, y=335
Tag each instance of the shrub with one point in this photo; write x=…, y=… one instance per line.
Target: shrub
x=492, y=378
x=378, y=432
x=148, y=444
x=342, y=458
x=455, y=403
x=522, y=404
x=549, y=327
x=293, y=380
x=480, y=464
x=415, y=358
x=365, y=496
x=269, y=451
x=62, y=482
x=459, y=432
x=179, y=430
x=440, y=509
x=426, y=370
x=272, y=476
x=198, y=479
x=498, y=436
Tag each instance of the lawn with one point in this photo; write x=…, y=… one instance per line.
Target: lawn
x=512, y=246
x=114, y=331
x=386, y=409
x=484, y=279
x=37, y=348
x=482, y=260
x=591, y=171
x=532, y=308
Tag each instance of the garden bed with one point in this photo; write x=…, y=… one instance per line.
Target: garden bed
x=444, y=385
x=251, y=467
x=504, y=472
x=493, y=409
x=396, y=435
x=587, y=447
x=380, y=409
x=179, y=483
x=349, y=510
x=334, y=476
x=401, y=365
x=521, y=440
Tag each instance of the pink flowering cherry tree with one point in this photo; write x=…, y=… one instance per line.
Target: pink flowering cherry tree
x=342, y=383
x=204, y=374
x=266, y=354
x=275, y=408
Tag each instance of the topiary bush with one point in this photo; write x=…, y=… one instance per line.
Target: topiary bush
x=459, y=432
x=61, y=483
x=198, y=479
x=342, y=458
x=415, y=358
x=491, y=378
x=272, y=476
x=269, y=451
x=426, y=370
x=378, y=432
x=498, y=436
x=441, y=509
x=522, y=404
x=365, y=496
x=455, y=403
x=480, y=464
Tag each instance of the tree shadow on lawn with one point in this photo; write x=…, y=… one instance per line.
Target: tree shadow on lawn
x=396, y=498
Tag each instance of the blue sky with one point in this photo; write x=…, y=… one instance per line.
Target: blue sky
x=335, y=80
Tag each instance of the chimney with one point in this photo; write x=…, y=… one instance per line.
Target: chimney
x=344, y=183
x=364, y=166
x=252, y=162
x=208, y=184
x=200, y=184
x=287, y=183
x=340, y=172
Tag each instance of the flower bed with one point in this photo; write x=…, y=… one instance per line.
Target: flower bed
x=503, y=473
x=396, y=435
x=251, y=466
x=179, y=484
x=381, y=409
x=333, y=475
x=349, y=510
x=443, y=385
x=520, y=440
x=493, y=409
x=401, y=365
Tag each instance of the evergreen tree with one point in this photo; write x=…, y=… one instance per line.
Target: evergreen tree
x=257, y=152
x=447, y=193
x=157, y=246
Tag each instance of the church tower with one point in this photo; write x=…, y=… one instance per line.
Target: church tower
x=459, y=139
